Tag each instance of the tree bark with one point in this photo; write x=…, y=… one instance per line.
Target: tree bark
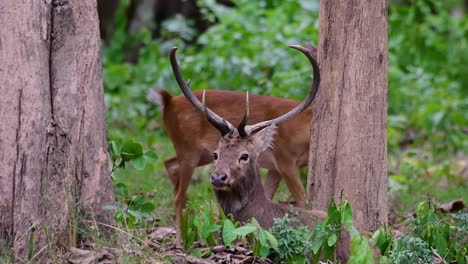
x=348, y=136
x=53, y=151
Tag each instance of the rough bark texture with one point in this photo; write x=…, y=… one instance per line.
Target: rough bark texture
x=348, y=136
x=53, y=155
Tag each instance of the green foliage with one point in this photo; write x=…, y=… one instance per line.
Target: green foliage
x=440, y=234
x=129, y=151
x=296, y=244
x=131, y=210
x=431, y=232
x=407, y=249
x=204, y=226
x=294, y=239
x=427, y=75
x=361, y=252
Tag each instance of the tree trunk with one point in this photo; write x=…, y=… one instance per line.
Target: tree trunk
x=53, y=155
x=348, y=138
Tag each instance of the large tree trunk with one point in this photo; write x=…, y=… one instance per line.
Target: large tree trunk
x=53, y=154
x=348, y=137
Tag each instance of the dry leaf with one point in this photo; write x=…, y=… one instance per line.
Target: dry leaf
x=452, y=207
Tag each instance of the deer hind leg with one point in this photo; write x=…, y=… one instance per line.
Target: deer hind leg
x=293, y=181
x=272, y=182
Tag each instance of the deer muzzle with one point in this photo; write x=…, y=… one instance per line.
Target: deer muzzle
x=219, y=180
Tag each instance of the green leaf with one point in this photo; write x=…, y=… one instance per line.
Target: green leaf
x=120, y=189
x=115, y=148
x=244, y=230
x=346, y=214
x=139, y=163
x=361, y=252
x=272, y=240
x=332, y=240
x=382, y=239
x=298, y=259
x=131, y=150
x=264, y=251
x=147, y=207
x=228, y=235
x=137, y=202
x=151, y=154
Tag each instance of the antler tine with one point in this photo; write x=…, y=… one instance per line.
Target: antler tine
x=243, y=123
x=308, y=51
x=218, y=122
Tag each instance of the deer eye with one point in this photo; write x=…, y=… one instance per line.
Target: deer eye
x=244, y=157
x=215, y=155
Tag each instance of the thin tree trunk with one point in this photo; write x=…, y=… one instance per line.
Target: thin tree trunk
x=348, y=137
x=53, y=154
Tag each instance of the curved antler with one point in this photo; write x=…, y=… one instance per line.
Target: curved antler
x=243, y=123
x=309, y=52
x=218, y=122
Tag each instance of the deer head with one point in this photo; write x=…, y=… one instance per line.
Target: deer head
x=236, y=164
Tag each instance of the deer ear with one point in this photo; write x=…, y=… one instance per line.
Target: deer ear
x=263, y=139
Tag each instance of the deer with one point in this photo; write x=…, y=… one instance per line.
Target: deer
x=236, y=178
x=194, y=139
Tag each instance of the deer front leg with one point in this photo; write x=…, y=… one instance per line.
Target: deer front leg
x=172, y=168
x=180, y=195
x=272, y=182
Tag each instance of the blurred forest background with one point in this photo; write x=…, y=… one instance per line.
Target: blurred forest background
x=242, y=45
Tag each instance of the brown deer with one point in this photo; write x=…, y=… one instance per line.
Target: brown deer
x=236, y=179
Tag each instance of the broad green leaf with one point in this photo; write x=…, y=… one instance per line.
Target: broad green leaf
x=244, y=230
x=228, y=235
x=151, y=154
x=139, y=162
x=381, y=239
x=298, y=259
x=331, y=241
x=361, y=252
x=136, y=214
x=147, y=207
x=136, y=202
x=120, y=189
x=272, y=240
x=115, y=148
x=131, y=150
x=264, y=251
x=346, y=214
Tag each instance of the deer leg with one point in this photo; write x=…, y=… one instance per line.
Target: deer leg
x=272, y=182
x=172, y=168
x=293, y=181
x=180, y=194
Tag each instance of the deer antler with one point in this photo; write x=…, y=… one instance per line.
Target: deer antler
x=218, y=122
x=244, y=131
x=309, y=52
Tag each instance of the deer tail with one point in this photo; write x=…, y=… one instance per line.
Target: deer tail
x=159, y=96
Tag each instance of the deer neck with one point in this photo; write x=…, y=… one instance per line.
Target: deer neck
x=249, y=191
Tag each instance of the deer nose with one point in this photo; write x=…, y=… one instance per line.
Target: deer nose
x=218, y=179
